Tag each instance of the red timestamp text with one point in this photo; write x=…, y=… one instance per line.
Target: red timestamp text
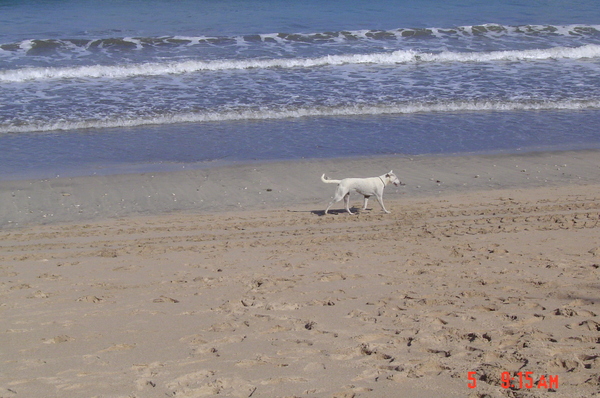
x=520, y=380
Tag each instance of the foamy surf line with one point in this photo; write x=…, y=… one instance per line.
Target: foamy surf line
x=397, y=57
x=476, y=106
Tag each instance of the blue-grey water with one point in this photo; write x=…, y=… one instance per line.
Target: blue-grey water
x=94, y=87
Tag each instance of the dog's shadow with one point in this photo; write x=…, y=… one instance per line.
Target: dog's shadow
x=336, y=212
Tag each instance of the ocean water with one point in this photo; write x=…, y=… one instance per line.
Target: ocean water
x=90, y=87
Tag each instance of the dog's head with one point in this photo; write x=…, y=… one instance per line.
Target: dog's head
x=393, y=179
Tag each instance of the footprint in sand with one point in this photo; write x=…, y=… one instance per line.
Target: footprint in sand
x=118, y=347
x=59, y=339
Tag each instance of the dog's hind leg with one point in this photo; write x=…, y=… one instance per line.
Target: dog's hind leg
x=339, y=195
x=365, y=202
x=331, y=204
x=347, y=202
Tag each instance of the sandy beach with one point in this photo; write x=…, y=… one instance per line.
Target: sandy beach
x=230, y=281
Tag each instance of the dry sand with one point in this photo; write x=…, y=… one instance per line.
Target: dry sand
x=231, y=282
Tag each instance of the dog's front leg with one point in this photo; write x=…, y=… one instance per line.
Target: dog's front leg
x=365, y=202
x=380, y=200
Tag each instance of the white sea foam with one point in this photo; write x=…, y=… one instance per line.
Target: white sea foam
x=382, y=58
x=587, y=51
x=137, y=42
x=357, y=110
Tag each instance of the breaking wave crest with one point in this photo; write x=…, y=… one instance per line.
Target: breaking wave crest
x=396, y=57
x=42, y=46
x=356, y=110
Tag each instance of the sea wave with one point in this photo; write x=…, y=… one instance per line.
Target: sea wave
x=356, y=110
x=41, y=46
x=381, y=58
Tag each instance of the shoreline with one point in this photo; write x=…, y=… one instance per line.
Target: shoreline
x=277, y=184
x=115, y=168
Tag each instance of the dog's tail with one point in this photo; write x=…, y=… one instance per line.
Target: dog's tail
x=328, y=181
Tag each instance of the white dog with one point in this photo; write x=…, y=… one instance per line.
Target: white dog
x=364, y=186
